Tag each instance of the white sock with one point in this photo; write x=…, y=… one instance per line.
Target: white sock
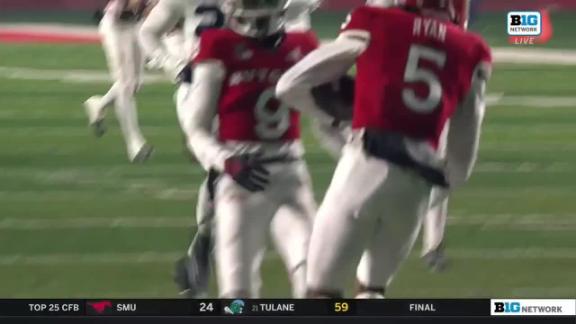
x=433, y=227
x=110, y=96
x=128, y=119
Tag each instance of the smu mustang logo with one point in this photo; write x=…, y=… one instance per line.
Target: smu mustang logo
x=101, y=306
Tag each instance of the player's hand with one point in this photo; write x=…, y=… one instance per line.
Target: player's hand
x=248, y=171
x=336, y=99
x=174, y=67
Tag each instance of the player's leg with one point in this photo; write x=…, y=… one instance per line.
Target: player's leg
x=96, y=106
x=402, y=203
x=241, y=227
x=127, y=70
x=434, y=226
x=174, y=42
x=340, y=232
x=292, y=227
x=192, y=273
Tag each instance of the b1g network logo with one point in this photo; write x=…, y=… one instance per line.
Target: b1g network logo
x=533, y=307
x=529, y=27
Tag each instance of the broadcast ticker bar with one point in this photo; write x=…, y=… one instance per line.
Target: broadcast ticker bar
x=275, y=307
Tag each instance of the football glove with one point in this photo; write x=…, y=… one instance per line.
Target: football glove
x=336, y=99
x=248, y=171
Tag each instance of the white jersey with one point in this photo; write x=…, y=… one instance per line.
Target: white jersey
x=298, y=14
x=196, y=14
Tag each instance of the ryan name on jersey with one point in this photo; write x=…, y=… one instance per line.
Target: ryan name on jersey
x=430, y=28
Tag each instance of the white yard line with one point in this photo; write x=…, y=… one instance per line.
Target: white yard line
x=90, y=258
x=95, y=76
x=534, y=56
x=166, y=257
x=69, y=76
x=96, y=223
x=541, y=222
x=513, y=253
x=62, y=29
x=534, y=101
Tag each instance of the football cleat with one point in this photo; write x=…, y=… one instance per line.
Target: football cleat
x=95, y=115
x=143, y=154
x=436, y=259
x=192, y=272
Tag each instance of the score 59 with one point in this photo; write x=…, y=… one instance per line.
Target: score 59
x=343, y=308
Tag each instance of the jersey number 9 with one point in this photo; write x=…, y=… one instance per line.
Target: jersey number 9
x=271, y=124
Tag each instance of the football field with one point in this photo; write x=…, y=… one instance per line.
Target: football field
x=76, y=220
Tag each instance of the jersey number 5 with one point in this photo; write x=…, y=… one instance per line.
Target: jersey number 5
x=271, y=124
x=415, y=73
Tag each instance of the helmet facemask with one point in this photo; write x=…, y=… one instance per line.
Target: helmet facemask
x=256, y=18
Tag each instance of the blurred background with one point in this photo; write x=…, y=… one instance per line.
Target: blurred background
x=76, y=220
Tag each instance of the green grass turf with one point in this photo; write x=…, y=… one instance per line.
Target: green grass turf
x=514, y=234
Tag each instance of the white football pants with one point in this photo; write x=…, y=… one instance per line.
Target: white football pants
x=126, y=64
x=244, y=220
x=434, y=224
x=370, y=218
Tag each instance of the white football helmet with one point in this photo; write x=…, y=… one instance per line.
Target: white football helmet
x=255, y=18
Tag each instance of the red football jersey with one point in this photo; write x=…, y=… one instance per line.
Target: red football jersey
x=414, y=73
x=248, y=109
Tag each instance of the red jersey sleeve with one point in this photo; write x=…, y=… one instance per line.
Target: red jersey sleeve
x=210, y=47
x=310, y=41
x=359, y=19
x=485, y=52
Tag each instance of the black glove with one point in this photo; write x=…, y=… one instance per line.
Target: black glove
x=337, y=100
x=185, y=75
x=248, y=171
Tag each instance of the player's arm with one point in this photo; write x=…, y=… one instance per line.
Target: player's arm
x=326, y=64
x=199, y=113
x=465, y=129
x=161, y=20
x=298, y=14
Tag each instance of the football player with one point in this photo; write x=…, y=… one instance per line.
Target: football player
x=192, y=271
x=119, y=30
x=417, y=68
x=265, y=184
